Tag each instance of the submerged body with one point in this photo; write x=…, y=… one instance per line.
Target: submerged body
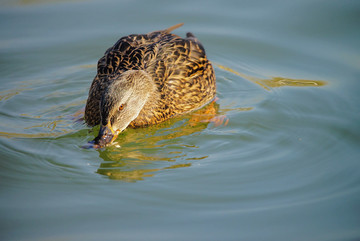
x=146, y=79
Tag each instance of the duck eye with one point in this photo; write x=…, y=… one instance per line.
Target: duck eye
x=121, y=106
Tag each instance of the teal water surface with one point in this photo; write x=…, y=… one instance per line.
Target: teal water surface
x=286, y=166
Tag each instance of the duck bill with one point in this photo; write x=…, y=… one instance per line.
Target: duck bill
x=106, y=136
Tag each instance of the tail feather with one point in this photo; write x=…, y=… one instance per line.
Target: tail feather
x=168, y=30
x=192, y=37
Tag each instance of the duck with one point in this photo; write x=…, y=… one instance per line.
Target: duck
x=145, y=79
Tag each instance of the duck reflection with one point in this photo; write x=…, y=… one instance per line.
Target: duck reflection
x=143, y=152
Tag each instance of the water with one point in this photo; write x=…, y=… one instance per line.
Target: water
x=285, y=167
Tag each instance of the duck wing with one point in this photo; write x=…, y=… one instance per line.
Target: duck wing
x=184, y=75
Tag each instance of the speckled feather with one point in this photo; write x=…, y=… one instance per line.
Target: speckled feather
x=183, y=75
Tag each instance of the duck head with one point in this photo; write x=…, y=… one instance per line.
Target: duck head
x=121, y=103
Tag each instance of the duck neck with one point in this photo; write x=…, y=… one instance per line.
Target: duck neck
x=152, y=98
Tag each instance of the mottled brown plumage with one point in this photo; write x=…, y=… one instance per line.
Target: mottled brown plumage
x=178, y=74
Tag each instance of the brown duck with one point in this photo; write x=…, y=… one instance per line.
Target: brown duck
x=147, y=78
